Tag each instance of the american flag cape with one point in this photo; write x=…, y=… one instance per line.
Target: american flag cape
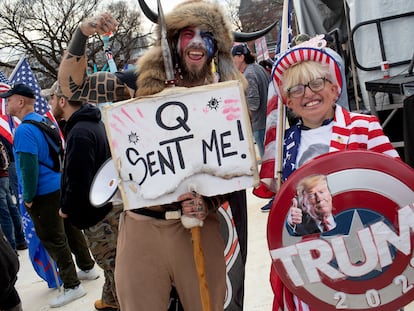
x=43, y=264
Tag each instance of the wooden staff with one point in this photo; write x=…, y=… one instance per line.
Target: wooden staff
x=194, y=223
x=201, y=268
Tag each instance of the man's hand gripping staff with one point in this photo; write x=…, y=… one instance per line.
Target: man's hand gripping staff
x=193, y=206
x=195, y=210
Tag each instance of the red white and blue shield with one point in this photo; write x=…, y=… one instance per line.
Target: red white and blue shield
x=366, y=262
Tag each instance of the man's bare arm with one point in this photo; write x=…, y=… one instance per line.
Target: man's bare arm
x=73, y=79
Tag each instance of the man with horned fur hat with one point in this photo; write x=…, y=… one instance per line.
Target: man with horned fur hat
x=155, y=254
x=105, y=86
x=211, y=21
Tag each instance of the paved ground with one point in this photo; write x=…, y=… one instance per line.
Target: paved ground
x=258, y=296
x=35, y=294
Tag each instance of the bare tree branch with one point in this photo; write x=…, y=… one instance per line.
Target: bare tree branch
x=41, y=30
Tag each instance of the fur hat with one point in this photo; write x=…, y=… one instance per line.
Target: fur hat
x=193, y=13
x=300, y=54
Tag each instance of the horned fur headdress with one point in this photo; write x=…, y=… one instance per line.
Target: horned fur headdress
x=193, y=13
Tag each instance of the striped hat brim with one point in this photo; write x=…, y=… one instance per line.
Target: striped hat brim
x=300, y=54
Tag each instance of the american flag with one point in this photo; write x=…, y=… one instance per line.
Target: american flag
x=5, y=129
x=283, y=299
x=41, y=261
x=3, y=81
x=22, y=73
x=289, y=32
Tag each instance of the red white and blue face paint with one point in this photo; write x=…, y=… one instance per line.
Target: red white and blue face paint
x=209, y=42
x=193, y=37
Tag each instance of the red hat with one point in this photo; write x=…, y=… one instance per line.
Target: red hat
x=299, y=54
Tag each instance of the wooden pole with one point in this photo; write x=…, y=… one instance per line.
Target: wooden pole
x=201, y=268
x=281, y=109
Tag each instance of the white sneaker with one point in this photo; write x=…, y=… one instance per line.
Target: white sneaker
x=68, y=295
x=88, y=274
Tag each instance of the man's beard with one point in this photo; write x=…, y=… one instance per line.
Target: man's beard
x=57, y=112
x=193, y=74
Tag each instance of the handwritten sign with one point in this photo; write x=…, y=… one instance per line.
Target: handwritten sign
x=366, y=261
x=181, y=140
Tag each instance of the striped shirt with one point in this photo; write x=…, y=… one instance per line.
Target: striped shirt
x=350, y=131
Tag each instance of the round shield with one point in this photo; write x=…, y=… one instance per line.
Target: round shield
x=366, y=261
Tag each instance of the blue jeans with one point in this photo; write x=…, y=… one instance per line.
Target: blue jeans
x=5, y=216
x=13, y=183
x=17, y=221
x=259, y=136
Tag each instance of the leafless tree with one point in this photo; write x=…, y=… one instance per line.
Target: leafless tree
x=232, y=9
x=41, y=29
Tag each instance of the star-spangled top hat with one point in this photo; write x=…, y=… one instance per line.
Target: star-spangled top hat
x=300, y=54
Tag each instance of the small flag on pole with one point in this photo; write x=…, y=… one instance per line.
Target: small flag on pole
x=22, y=73
x=5, y=120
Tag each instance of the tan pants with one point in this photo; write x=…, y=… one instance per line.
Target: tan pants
x=153, y=254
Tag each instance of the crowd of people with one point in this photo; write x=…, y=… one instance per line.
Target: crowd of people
x=146, y=256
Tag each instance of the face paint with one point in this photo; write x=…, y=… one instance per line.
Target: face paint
x=192, y=36
x=208, y=39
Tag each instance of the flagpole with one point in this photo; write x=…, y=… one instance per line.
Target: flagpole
x=281, y=109
x=16, y=68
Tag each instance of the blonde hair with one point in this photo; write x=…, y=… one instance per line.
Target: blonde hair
x=303, y=72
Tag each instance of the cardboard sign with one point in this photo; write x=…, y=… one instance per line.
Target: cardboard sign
x=182, y=139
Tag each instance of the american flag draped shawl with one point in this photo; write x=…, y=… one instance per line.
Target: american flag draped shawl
x=43, y=264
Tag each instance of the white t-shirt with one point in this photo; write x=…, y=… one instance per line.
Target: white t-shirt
x=313, y=142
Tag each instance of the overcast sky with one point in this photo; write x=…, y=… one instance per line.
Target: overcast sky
x=167, y=5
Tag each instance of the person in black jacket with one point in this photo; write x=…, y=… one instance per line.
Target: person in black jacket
x=87, y=149
x=9, y=266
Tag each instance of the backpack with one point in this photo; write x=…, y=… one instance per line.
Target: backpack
x=4, y=157
x=52, y=135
